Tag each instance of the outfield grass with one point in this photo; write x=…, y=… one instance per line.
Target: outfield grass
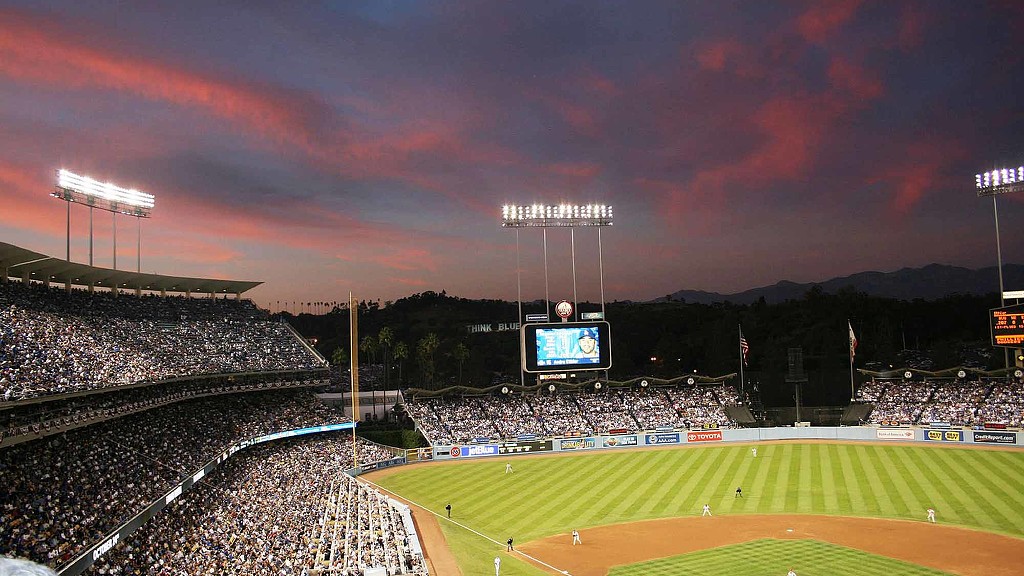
x=760, y=557
x=551, y=495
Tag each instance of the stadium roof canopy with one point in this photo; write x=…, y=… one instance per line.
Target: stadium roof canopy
x=17, y=262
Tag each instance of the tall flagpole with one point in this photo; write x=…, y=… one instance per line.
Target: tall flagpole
x=353, y=330
x=852, y=339
x=743, y=387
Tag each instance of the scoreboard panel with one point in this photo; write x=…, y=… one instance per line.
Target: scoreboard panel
x=1007, y=324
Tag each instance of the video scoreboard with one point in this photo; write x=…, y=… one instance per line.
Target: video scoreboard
x=1007, y=326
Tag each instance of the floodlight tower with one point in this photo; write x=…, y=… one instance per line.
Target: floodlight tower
x=568, y=216
x=106, y=196
x=994, y=183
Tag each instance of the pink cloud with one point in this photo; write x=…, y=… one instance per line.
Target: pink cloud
x=854, y=78
x=717, y=54
x=922, y=169
x=824, y=18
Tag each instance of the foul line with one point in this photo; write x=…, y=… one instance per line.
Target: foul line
x=463, y=526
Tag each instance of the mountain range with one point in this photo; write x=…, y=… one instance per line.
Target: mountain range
x=931, y=282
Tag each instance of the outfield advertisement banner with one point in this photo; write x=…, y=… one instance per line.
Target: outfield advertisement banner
x=995, y=437
x=577, y=444
x=620, y=441
x=709, y=436
x=890, y=434
x=473, y=451
x=525, y=447
x=651, y=439
x=944, y=435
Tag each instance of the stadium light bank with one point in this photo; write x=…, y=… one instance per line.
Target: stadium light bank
x=546, y=216
x=106, y=196
x=994, y=183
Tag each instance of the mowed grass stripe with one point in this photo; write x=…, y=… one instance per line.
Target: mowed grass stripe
x=668, y=492
x=1003, y=494
x=987, y=508
x=948, y=490
x=806, y=479
x=670, y=482
x=766, y=467
x=938, y=493
x=654, y=471
x=632, y=485
x=571, y=477
x=794, y=488
x=880, y=494
x=739, y=475
x=730, y=473
x=906, y=500
x=851, y=481
x=689, y=499
x=769, y=556
x=715, y=488
x=625, y=481
x=748, y=481
x=834, y=500
x=989, y=476
x=781, y=463
x=997, y=469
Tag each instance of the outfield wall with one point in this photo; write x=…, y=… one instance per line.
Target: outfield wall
x=676, y=437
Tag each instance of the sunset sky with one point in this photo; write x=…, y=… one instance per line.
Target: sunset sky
x=368, y=146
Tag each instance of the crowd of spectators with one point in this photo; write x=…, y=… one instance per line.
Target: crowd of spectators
x=31, y=421
x=54, y=342
x=272, y=510
x=464, y=418
x=63, y=492
x=361, y=529
x=956, y=402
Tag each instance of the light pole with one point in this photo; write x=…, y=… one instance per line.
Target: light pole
x=570, y=216
x=106, y=196
x=994, y=183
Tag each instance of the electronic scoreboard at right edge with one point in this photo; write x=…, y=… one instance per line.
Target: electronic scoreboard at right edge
x=1007, y=324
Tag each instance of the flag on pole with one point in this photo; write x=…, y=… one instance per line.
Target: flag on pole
x=853, y=341
x=744, y=347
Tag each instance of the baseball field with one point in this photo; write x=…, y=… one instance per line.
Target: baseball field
x=818, y=508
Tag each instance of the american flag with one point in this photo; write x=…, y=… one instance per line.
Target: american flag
x=853, y=340
x=744, y=348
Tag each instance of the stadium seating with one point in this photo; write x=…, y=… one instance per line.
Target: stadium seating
x=461, y=419
x=53, y=342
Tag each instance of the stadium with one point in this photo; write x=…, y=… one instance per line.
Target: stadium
x=337, y=288
x=151, y=433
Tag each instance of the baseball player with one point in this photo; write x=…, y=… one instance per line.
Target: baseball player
x=739, y=492
x=448, y=508
x=576, y=538
x=497, y=566
x=509, y=542
x=508, y=468
x=707, y=510
x=753, y=452
x=931, y=514
x=791, y=572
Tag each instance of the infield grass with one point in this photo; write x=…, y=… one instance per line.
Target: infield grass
x=554, y=494
x=769, y=556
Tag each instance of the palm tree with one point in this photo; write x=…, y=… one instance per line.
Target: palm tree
x=401, y=353
x=385, y=337
x=367, y=346
x=340, y=357
x=461, y=354
x=425, y=353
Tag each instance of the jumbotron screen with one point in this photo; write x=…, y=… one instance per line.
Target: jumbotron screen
x=1007, y=326
x=566, y=346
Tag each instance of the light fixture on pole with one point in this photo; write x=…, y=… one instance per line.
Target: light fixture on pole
x=994, y=183
x=106, y=196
